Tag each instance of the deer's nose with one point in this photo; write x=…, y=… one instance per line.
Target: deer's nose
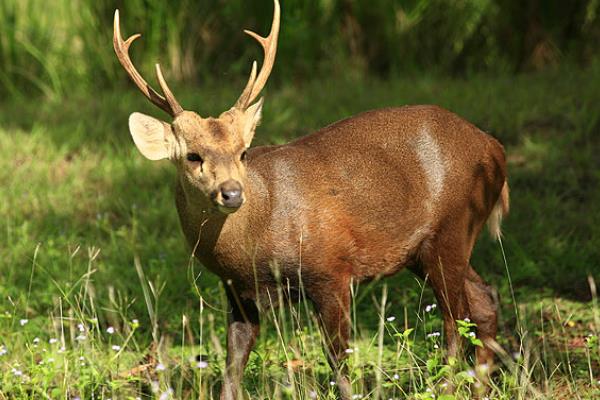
x=231, y=194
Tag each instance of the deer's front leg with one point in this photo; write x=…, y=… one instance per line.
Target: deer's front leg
x=241, y=335
x=333, y=306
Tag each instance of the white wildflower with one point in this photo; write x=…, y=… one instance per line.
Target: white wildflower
x=3, y=350
x=349, y=351
x=430, y=307
x=52, y=340
x=201, y=364
x=435, y=346
x=81, y=327
x=168, y=394
x=332, y=383
x=17, y=372
x=110, y=330
x=62, y=349
x=396, y=377
x=160, y=367
x=116, y=347
x=472, y=334
x=467, y=320
x=471, y=373
x=36, y=340
x=390, y=318
x=23, y=321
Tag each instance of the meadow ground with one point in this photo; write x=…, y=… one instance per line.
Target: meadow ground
x=99, y=297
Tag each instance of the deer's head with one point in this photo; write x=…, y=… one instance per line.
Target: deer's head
x=210, y=153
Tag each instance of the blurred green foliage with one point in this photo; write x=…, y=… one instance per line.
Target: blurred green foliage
x=61, y=46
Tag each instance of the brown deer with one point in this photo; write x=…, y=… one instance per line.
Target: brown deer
x=365, y=197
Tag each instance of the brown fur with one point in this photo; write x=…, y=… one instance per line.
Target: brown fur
x=365, y=197
x=346, y=203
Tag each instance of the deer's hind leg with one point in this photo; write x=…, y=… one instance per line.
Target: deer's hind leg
x=447, y=281
x=482, y=309
x=445, y=263
x=460, y=291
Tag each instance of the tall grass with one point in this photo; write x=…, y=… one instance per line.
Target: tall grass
x=89, y=347
x=56, y=48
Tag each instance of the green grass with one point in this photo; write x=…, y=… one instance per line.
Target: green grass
x=89, y=235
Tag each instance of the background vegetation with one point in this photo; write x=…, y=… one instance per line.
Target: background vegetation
x=60, y=46
x=99, y=297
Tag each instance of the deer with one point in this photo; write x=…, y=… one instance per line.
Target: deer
x=397, y=188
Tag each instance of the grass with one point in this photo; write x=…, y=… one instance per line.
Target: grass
x=89, y=240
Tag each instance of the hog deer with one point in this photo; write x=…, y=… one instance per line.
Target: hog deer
x=408, y=187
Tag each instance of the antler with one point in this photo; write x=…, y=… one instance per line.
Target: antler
x=269, y=44
x=167, y=102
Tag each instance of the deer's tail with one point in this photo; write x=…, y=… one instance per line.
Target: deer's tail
x=499, y=211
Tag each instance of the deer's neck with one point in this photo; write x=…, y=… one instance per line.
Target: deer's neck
x=215, y=238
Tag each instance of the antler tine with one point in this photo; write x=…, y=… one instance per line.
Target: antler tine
x=168, y=104
x=243, y=102
x=269, y=45
x=173, y=103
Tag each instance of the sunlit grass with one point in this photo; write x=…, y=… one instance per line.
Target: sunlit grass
x=81, y=349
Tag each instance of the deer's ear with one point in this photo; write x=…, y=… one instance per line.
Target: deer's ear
x=153, y=138
x=252, y=117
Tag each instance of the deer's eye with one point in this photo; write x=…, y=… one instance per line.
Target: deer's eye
x=194, y=157
x=244, y=156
